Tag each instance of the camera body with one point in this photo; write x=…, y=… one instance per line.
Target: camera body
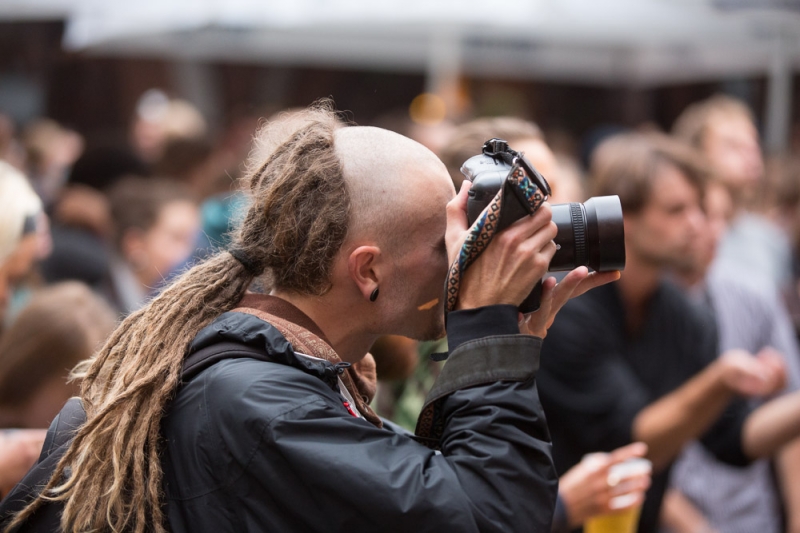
x=589, y=234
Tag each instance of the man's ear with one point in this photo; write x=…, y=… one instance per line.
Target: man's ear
x=363, y=265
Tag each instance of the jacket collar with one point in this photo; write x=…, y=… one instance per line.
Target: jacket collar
x=280, y=307
x=251, y=331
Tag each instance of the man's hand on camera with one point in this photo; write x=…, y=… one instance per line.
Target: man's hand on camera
x=510, y=266
x=555, y=295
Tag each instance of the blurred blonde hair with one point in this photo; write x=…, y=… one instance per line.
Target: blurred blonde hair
x=182, y=120
x=18, y=202
x=692, y=124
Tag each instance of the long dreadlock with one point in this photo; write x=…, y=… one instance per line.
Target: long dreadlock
x=110, y=478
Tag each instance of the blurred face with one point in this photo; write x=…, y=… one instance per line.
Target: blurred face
x=665, y=230
x=16, y=266
x=718, y=208
x=732, y=147
x=148, y=138
x=165, y=246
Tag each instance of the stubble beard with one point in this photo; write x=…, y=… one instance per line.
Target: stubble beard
x=434, y=327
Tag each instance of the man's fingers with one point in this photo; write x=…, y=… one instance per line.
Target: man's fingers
x=580, y=280
x=636, y=449
x=457, y=209
x=595, y=279
x=568, y=286
x=573, y=280
x=549, y=285
x=529, y=226
x=457, y=227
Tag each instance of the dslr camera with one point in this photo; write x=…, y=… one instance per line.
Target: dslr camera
x=589, y=234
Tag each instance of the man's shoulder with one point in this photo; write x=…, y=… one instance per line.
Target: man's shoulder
x=238, y=387
x=682, y=313
x=235, y=400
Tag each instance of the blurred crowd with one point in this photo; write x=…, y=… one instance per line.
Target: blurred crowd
x=692, y=352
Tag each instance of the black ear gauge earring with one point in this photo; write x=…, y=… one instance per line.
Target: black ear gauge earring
x=374, y=295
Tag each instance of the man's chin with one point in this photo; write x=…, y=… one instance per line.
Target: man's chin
x=435, y=332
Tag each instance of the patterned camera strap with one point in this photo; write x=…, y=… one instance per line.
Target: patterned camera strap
x=485, y=227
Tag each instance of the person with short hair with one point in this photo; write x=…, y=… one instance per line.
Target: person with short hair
x=156, y=225
x=733, y=500
x=723, y=129
x=23, y=240
x=634, y=360
x=61, y=326
x=352, y=229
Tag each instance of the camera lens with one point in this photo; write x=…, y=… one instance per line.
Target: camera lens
x=589, y=234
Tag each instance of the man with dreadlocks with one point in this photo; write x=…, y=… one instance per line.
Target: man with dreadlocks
x=352, y=228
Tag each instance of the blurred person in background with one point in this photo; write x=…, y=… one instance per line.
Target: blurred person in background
x=82, y=223
x=728, y=499
x=22, y=241
x=24, y=237
x=784, y=199
x=634, y=360
x=11, y=149
x=62, y=325
x=211, y=172
x=190, y=162
x=522, y=135
x=754, y=248
x=156, y=223
x=51, y=151
x=159, y=119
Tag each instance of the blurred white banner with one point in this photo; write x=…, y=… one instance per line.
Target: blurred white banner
x=631, y=42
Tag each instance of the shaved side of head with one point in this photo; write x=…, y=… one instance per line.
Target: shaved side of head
x=391, y=180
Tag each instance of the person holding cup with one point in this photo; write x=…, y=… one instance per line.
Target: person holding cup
x=603, y=488
x=635, y=361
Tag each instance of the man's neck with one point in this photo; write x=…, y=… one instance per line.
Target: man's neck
x=689, y=279
x=339, y=324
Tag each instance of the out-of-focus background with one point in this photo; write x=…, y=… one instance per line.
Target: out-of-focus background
x=569, y=64
x=131, y=120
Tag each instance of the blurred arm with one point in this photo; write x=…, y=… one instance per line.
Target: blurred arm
x=681, y=516
x=788, y=471
x=772, y=425
x=668, y=423
x=19, y=450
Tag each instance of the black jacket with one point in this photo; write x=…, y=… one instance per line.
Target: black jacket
x=269, y=446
